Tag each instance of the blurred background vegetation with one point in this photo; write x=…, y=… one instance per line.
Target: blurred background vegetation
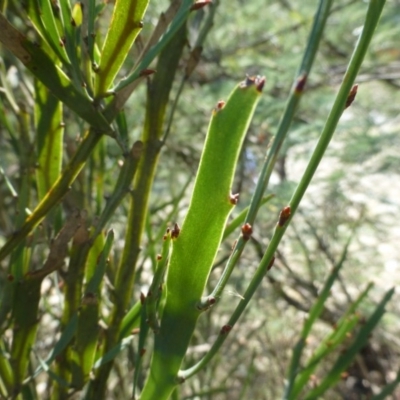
x=356, y=188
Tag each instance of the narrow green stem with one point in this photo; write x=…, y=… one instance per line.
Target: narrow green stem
x=371, y=21
x=291, y=106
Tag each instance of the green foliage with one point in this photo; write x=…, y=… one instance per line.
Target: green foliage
x=101, y=168
x=125, y=25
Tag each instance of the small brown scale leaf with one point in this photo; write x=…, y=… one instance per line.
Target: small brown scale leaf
x=234, y=198
x=137, y=149
x=225, y=329
x=344, y=375
x=194, y=59
x=220, y=105
x=300, y=83
x=200, y=4
x=147, y=72
x=89, y=299
x=271, y=263
x=247, y=231
x=258, y=81
x=175, y=231
x=284, y=215
x=351, y=96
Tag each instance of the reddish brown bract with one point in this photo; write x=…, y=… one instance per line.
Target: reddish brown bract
x=284, y=216
x=258, y=81
x=247, y=230
x=300, y=83
x=225, y=329
x=199, y=4
x=351, y=96
x=234, y=198
x=220, y=105
x=147, y=72
x=175, y=231
x=271, y=263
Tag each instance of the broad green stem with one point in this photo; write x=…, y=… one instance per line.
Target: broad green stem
x=195, y=248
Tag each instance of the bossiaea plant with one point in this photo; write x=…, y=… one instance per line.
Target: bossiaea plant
x=80, y=76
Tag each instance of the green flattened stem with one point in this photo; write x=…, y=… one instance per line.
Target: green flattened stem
x=45, y=22
x=25, y=311
x=124, y=181
x=84, y=350
x=154, y=293
x=125, y=25
x=91, y=18
x=6, y=374
x=197, y=244
x=49, y=143
x=155, y=50
x=42, y=66
x=49, y=134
